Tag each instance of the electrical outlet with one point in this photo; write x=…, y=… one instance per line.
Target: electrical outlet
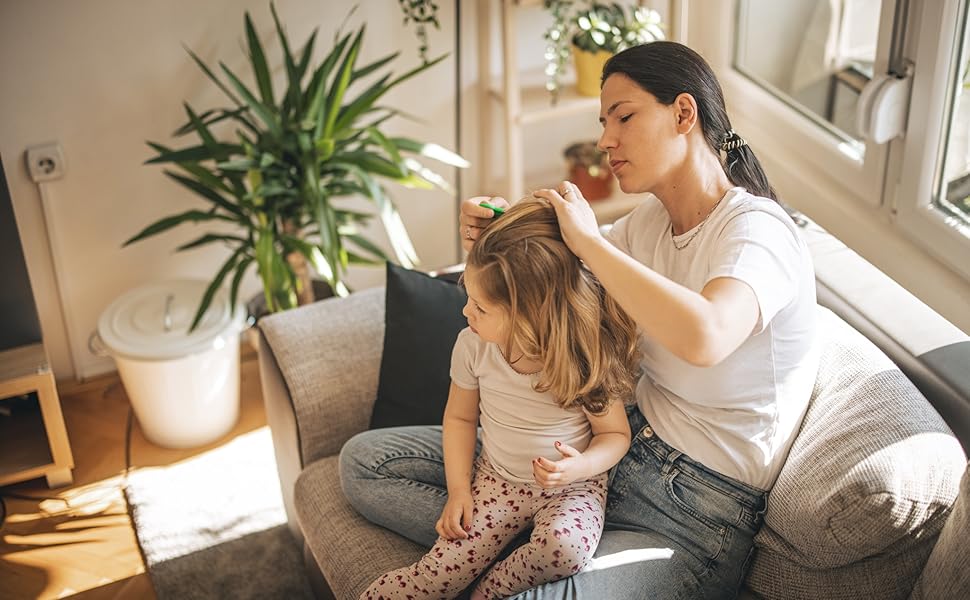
x=45, y=162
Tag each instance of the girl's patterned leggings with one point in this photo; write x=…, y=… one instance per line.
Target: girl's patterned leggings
x=567, y=524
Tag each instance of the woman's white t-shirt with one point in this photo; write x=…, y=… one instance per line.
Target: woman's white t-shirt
x=740, y=416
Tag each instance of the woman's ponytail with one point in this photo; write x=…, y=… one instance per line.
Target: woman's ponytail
x=743, y=168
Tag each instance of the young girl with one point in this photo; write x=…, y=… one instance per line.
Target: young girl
x=544, y=365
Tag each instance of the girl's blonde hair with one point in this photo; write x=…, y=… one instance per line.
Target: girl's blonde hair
x=559, y=313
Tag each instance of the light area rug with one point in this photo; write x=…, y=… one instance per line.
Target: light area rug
x=213, y=526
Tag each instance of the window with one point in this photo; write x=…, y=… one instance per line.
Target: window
x=803, y=78
x=953, y=195
x=931, y=200
x=819, y=69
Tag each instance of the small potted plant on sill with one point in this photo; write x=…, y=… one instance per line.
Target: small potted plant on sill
x=589, y=169
x=592, y=32
x=293, y=154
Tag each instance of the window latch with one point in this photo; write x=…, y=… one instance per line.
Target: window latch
x=882, y=108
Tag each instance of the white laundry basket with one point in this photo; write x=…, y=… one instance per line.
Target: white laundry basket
x=183, y=387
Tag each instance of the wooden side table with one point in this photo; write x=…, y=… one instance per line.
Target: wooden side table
x=33, y=439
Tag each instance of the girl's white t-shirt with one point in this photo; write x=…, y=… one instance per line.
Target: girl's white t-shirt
x=518, y=423
x=740, y=416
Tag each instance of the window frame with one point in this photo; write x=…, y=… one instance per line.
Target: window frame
x=919, y=154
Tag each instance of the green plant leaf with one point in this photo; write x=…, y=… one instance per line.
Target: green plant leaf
x=416, y=70
x=377, y=64
x=237, y=164
x=433, y=151
x=213, y=116
x=211, y=75
x=193, y=216
x=367, y=245
x=210, y=238
x=423, y=178
x=325, y=149
x=201, y=173
x=209, y=194
x=361, y=104
x=213, y=288
x=318, y=83
x=236, y=280
x=348, y=217
x=328, y=117
x=276, y=274
x=397, y=235
x=190, y=154
x=264, y=113
x=330, y=242
x=294, y=76
x=257, y=58
x=356, y=259
x=373, y=163
x=389, y=146
x=218, y=152
x=301, y=67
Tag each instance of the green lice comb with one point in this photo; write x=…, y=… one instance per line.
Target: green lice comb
x=498, y=211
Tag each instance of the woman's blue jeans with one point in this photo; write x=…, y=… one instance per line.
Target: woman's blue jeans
x=674, y=528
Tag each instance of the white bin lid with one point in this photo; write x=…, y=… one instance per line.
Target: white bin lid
x=135, y=325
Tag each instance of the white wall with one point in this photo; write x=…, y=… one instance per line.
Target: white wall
x=103, y=76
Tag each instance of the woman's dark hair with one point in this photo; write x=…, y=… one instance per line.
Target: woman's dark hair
x=668, y=69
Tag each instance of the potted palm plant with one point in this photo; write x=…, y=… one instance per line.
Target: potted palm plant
x=592, y=32
x=272, y=190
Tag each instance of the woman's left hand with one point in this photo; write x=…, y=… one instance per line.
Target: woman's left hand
x=573, y=467
x=577, y=223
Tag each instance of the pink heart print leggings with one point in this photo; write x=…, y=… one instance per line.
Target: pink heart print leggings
x=567, y=524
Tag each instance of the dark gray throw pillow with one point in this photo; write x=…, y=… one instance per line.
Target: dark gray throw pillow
x=422, y=320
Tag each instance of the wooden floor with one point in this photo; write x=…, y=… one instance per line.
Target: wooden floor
x=79, y=541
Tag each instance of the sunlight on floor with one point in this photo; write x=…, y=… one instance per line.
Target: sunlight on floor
x=97, y=498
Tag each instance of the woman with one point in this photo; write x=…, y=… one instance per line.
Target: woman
x=722, y=288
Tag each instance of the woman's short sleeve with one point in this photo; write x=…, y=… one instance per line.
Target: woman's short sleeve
x=464, y=357
x=762, y=250
x=618, y=234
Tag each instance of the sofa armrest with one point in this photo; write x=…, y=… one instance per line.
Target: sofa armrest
x=328, y=355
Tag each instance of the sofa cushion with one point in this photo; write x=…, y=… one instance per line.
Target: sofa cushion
x=351, y=551
x=867, y=486
x=422, y=319
x=947, y=572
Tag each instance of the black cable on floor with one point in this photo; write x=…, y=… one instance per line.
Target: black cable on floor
x=128, y=443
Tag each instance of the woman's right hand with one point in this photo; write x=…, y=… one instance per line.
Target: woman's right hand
x=577, y=222
x=456, y=518
x=474, y=218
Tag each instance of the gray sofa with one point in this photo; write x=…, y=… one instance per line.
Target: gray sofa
x=870, y=503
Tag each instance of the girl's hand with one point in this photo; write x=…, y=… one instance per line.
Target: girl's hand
x=573, y=467
x=474, y=218
x=577, y=223
x=456, y=518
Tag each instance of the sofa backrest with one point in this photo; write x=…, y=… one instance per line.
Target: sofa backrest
x=939, y=370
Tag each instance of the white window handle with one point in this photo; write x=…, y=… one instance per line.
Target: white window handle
x=882, y=108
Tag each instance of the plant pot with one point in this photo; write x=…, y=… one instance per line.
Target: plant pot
x=589, y=70
x=589, y=170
